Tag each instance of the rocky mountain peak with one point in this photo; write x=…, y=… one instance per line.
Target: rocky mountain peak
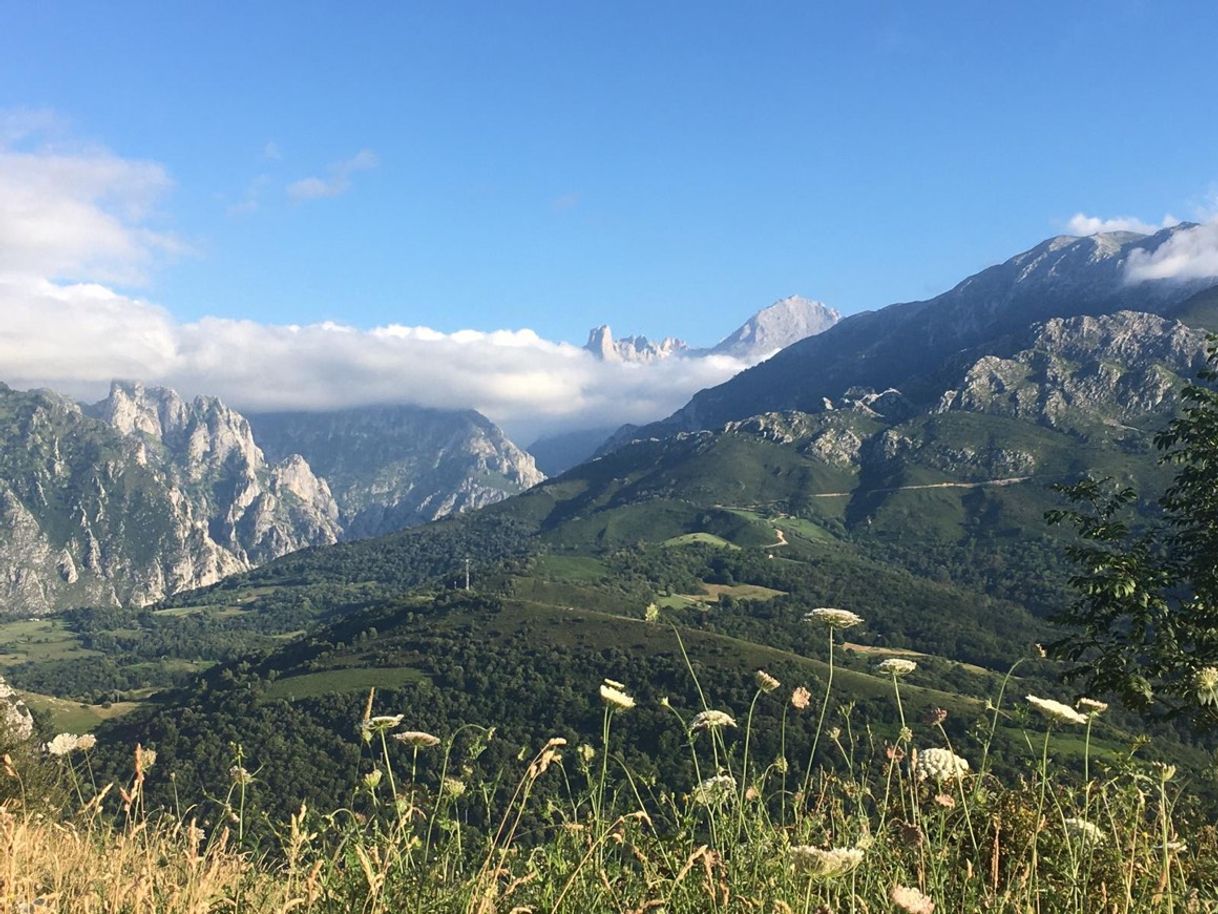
x=631, y=348
x=777, y=326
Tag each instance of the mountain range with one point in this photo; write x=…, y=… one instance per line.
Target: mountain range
x=775, y=327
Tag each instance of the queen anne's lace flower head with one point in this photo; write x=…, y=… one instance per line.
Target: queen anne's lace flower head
x=417, y=739
x=833, y=618
x=1091, y=706
x=1088, y=832
x=820, y=863
x=85, y=742
x=800, y=698
x=711, y=720
x=381, y=724
x=1056, y=711
x=939, y=765
x=896, y=666
x=766, y=682
x=613, y=694
x=910, y=900
x=63, y=745
x=715, y=791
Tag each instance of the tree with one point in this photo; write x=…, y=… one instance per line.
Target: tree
x=1145, y=624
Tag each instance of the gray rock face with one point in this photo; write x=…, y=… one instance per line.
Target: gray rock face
x=1108, y=369
x=637, y=349
x=16, y=722
x=391, y=467
x=787, y=321
x=140, y=496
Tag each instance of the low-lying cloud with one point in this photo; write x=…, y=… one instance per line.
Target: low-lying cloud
x=1190, y=253
x=1082, y=224
x=75, y=219
x=76, y=338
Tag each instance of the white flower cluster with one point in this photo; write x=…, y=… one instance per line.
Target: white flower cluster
x=417, y=739
x=939, y=765
x=711, y=720
x=614, y=695
x=66, y=743
x=1087, y=832
x=911, y=901
x=1056, y=711
x=821, y=863
x=833, y=618
x=896, y=666
x=766, y=682
x=716, y=791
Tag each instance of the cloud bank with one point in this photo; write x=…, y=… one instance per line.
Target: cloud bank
x=1082, y=224
x=74, y=221
x=1188, y=254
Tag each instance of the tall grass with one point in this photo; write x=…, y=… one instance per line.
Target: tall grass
x=876, y=826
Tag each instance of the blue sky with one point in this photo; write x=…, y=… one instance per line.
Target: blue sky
x=666, y=167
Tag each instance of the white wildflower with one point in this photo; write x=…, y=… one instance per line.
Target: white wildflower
x=820, y=863
x=1087, y=832
x=417, y=739
x=766, y=682
x=711, y=720
x=1205, y=681
x=380, y=724
x=613, y=695
x=372, y=779
x=896, y=666
x=85, y=742
x=910, y=900
x=452, y=787
x=715, y=791
x=833, y=618
x=1055, y=710
x=939, y=765
x=238, y=775
x=63, y=745
x=1091, y=706
x=800, y=698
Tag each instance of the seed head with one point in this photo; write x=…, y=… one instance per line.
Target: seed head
x=417, y=739
x=1205, y=681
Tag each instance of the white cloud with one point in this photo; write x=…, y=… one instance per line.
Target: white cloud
x=1191, y=253
x=1082, y=224
x=339, y=180
x=73, y=218
x=75, y=212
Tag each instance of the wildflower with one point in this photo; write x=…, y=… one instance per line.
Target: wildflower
x=939, y=765
x=819, y=863
x=381, y=724
x=452, y=787
x=144, y=758
x=896, y=666
x=946, y=800
x=905, y=734
x=372, y=779
x=935, y=716
x=1087, y=832
x=781, y=765
x=766, y=682
x=63, y=745
x=894, y=753
x=1173, y=847
x=1165, y=771
x=1055, y=710
x=587, y=753
x=715, y=791
x=834, y=733
x=711, y=720
x=800, y=698
x=238, y=775
x=417, y=739
x=910, y=900
x=1091, y=706
x=833, y=618
x=85, y=742
x=613, y=695
x=1205, y=681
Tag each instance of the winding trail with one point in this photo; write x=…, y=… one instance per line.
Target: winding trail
x=1010, y=481
x=782, y=540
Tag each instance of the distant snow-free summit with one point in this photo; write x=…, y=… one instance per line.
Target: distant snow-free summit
x=787, y=321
